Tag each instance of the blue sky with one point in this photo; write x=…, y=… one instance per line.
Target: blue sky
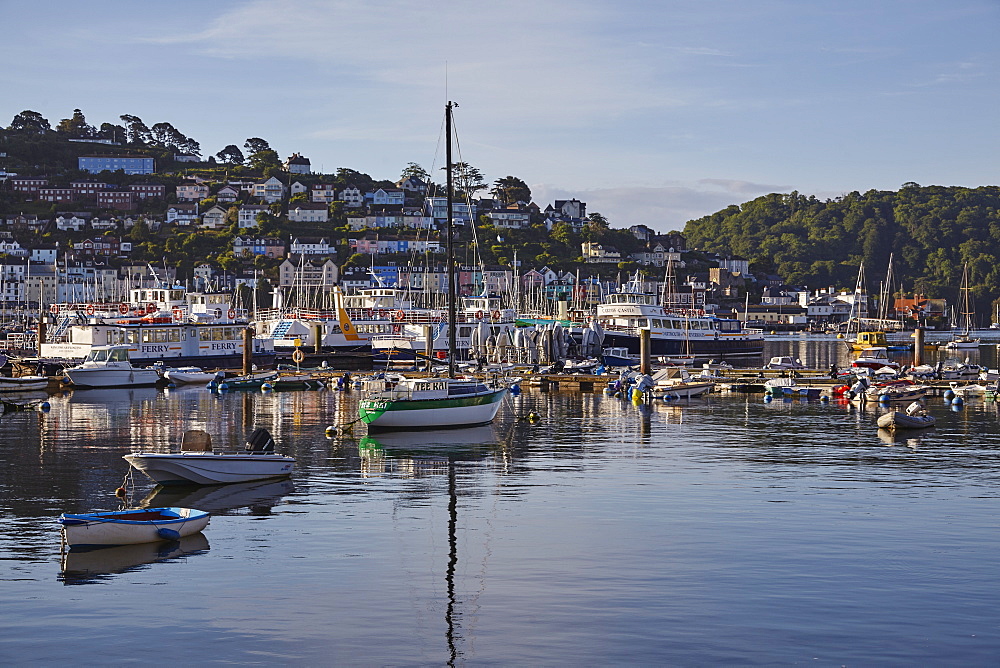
x=651, y=112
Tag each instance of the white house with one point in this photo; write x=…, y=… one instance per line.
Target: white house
x=272, y=190
x=308, y=213
x=70, y=222
x=183, y=214
x=214, y=218
x=248, y=214
x=352, y=197
x=309, y=246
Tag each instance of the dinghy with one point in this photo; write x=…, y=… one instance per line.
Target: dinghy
x=915, y=417
x=191, y=375
x=23, y=383
x=129, y=527
x=198, y=464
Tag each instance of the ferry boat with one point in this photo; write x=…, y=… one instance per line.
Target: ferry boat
x=162, y=325
x=323, y=330
x=673, y=332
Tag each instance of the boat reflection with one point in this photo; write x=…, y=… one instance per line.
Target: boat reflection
x=98, y=565
x=259, y=496
x=112, y=395
x=469, y=441
x=904, y=436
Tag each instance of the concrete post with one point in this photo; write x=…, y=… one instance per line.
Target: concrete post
x=918, y=346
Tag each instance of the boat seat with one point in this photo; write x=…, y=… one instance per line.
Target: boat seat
x=196, y=440
x=260, y=440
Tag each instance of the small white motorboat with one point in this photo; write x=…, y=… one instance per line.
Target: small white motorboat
x=785, y=362
x=190, y=375
x=970, y=390
x=198, y=464
x=129, y=527
x=23, y=383
x=109, y=366
x=678, y=383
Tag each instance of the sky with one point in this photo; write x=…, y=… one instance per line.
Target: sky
x=651, y=112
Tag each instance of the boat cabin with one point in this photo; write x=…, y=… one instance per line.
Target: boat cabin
x=871, y=339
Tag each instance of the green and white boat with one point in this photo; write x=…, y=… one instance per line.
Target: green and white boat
x=399, y=403
x=430, y=403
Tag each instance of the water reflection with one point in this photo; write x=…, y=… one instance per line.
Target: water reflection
x=259, y=497
x=97, y=565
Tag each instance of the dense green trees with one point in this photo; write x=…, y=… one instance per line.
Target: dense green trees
x=932, y=231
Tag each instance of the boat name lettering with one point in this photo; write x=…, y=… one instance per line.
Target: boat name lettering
x=154, y=349
x=223, y=346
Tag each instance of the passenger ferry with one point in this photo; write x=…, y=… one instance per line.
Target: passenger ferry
x=159, y=325
x=673, y=332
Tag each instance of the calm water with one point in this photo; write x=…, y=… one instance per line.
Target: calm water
x=716, y=531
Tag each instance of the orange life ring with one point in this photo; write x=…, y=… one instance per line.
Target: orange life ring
x=123, y=309
x=479, y=315
x=54, y=308
x=90, y=309
x=178, y=314
x=232, y=313
x=496, y=315
x=400, y=316
x=298, y=356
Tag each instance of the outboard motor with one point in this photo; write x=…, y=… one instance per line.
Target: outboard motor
x=260, y=441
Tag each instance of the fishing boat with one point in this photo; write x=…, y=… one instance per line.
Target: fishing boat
x=426, y=403
x=129, y=527
x=110, y=366
x=23, y=383
x=197, y=463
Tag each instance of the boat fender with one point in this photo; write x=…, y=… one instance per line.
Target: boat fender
x=266, y=387
x=331, y=431
x=884, y=398
x=223, y=386
x=957, y=401
x=824, y=399
x=167, y=534
x=44, y=406
x=768, y=398
x=949, y=394
x=515, y=390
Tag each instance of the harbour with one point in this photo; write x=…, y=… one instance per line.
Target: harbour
x=722, y=529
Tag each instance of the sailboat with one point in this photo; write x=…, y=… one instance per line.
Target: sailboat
x=401, y=403
x=964, y=340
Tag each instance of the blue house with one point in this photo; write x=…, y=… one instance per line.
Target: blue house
x=130, y=164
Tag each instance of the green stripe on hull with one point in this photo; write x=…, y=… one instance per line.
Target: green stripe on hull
x=372, y=409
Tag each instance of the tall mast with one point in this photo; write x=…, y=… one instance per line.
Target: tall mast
x=452, y=293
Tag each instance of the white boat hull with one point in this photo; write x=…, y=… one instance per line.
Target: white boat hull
x=23, y=383
x=105, y=529
x=189, y=376
x=111, y=377
x=208, y=468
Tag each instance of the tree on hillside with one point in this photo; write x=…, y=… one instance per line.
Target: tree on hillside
x=511, y=190
x=468, y=179
x=231, y=155
x=112, y=132
x=256, y=145
x=30, y=122
x=136, y=131
x=76, y=126
x=266, y=161
x=415, y=171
